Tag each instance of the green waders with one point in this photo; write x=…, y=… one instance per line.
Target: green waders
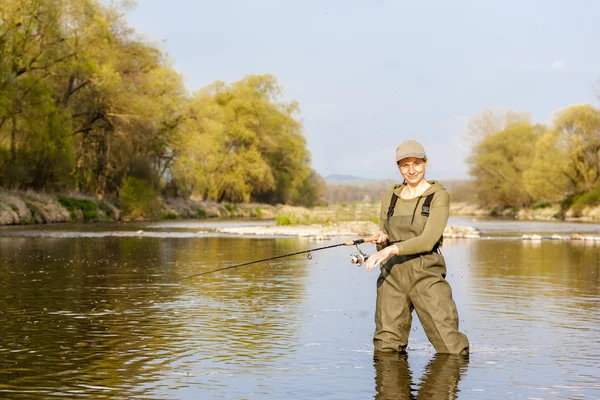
x=415, y=282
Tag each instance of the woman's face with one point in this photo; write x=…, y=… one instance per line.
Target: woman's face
x=412, y=170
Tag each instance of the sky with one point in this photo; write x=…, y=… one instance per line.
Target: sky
x=370, y=74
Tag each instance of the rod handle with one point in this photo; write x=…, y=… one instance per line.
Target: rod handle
x=369, y=239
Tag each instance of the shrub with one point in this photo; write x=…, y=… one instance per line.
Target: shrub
x=169, y=215
x=139, y=200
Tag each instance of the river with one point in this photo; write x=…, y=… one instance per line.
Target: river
x=99, y=311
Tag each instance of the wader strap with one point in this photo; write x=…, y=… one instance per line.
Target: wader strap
x=392, y=205
x=424, y=210
x=427, y=205
x=425, y=213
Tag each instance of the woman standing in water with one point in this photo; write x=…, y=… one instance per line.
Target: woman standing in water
x=413, y=271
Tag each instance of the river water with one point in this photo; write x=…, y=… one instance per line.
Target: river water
x=98, y=311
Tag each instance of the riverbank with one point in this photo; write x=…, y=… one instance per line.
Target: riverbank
x=28, y=207
x=546, y=212
x=19, y=208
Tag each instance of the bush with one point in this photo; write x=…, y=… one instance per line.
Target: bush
x=169, y=215
x=578, y=202
x=283, y=219
x=541, y=205
x=88, y=207
x=139, y=200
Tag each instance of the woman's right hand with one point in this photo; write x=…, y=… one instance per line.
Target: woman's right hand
x=382, y=237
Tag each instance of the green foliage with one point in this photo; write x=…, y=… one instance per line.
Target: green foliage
x=79, y=96
x=525, y=165
x=168, y=215
x=568, y=201
x=89, y=208
x=583, y=200
x=328, y=214
x=546, y=179
x=499, y=162
x=283, y=219
x=540, y=205
x=242, y=143
x=139, y=199
x=85, y=104
x=73, y=204
x=579, y=130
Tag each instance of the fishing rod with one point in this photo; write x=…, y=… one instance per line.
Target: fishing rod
x=358, y=258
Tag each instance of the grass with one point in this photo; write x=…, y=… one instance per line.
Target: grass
x=329, y=214
x=89, y=208
x=73, y=204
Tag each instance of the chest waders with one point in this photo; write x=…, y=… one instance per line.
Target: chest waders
x=415, y=282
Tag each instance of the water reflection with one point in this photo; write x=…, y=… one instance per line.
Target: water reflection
x=394, y=380
x=105, y=317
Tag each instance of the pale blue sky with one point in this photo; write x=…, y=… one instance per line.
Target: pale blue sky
x=369, y=74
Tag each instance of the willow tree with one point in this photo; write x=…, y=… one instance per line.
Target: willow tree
x=80, y=95
x=491, y=121
x=579, y=129
x=34, y=139
x=499, y=162
x=546, y=179
x=243, y=143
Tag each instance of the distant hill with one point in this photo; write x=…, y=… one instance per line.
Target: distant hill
x=450, y=183
x=347, y=188
x=356, y=189
x=337, y=179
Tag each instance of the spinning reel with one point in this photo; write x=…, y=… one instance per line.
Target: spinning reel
x=359, y=257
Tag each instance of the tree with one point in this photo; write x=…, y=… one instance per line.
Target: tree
x=579, y=130
x=489, y=122
x=243, y=143
x=546, y=178
x=498, y=163
x=80, y=95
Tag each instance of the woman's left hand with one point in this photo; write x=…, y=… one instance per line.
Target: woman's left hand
x=380, y=256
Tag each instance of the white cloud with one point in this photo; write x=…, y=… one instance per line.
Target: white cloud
x=559, y=66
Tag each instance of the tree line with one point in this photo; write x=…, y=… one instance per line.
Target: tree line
x=518, y=163
x=88, y=105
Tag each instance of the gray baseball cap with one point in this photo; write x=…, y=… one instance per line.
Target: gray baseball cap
x=410, y=148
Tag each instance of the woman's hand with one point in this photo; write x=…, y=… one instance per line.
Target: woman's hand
x=382, y=237
x=379, y=257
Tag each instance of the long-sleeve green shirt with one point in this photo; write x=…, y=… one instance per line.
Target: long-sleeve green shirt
x=434, y=226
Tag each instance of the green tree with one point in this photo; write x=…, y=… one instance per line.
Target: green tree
x=546, y=178
x=498, y=163
x=579, y=129
x=243, y=143
x=80, y=95
x=489, y=122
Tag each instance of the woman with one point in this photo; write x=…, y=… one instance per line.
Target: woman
x=413, y=271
